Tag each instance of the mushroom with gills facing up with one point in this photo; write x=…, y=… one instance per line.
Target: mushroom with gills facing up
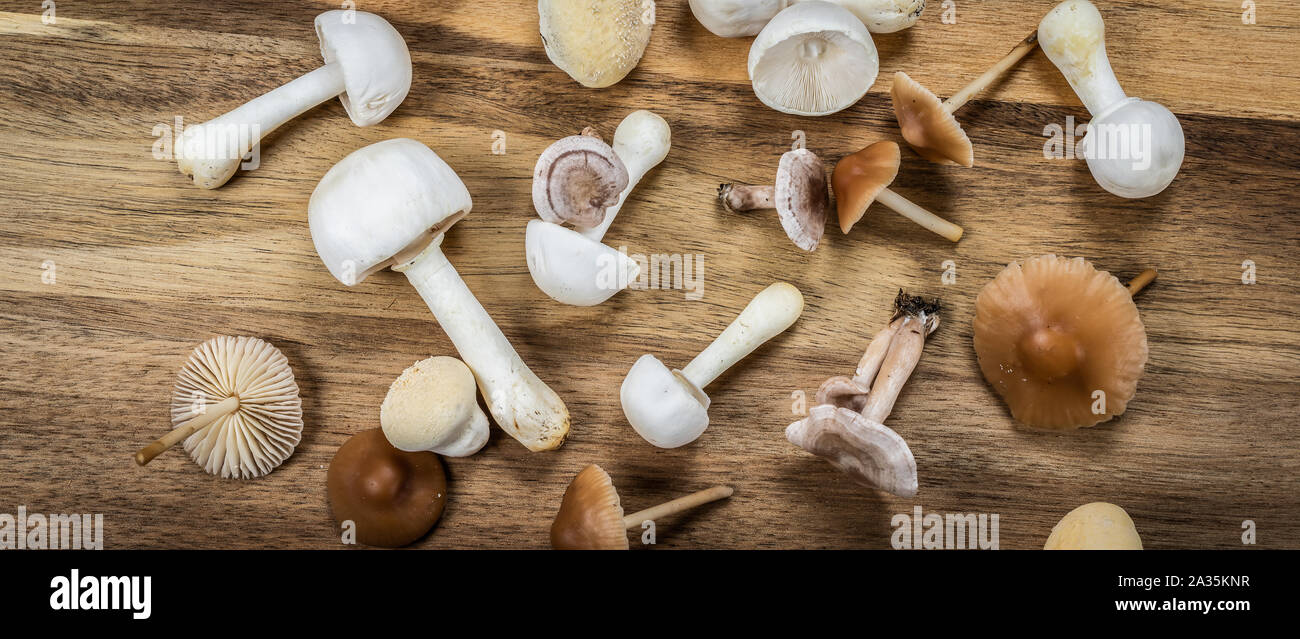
x=799, y=197
x=814, y=58
x=389, y=205
x=928, y=124
x=846, y=427
x=591, y=514
x=572, y=266
x=1134, y=147
x=669, y=408
x=863, y=177
x=391, y=497
x=367, y=67
x=1060, y=341
x=236, y=407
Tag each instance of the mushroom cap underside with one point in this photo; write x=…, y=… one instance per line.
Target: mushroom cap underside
x=1060, y=341
x=801, y=197
x=590, y=515
x=860, y=177
x=392, y=497
x=375, y=62
x=596, y=42
x=576, y=179
x=871, y=453
x=813, y=58
x=933, y=132
x=263, y=431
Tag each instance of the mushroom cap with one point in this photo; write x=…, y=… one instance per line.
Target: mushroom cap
x=576, y=179
x=813, y=58
x=433, y=405
x=375, y=62
x=870, y=453
x=735, y=18
x=596, y=42
x=1050, y=332
x=393, y=497
x=263, y=430
x=664, y=407
x=801, y=197
x=933, y=132
x=1112, y=138
x=574, y=269
x=860, y=177
x=590, y=516
x=381, y=201
x=1095, y=526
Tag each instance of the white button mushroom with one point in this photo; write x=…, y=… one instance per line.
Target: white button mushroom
x=596, y=42
x=433, y=406
x=735, y=18
x=573, y=266
x=367, y=66
x=1134, y=147
x=388, y=204
x=814, y=58
x=669, y=408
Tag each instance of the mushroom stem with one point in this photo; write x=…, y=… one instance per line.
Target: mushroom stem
x=746, y=197
x=675, y=506
x=219, y=145
x=918, y=319
x=519, y=401
x=210, y=414
x=641, y=141
x=911, y=211
x=773, y=310
x=871, y=360
x=987, y=78
x=1141, y=281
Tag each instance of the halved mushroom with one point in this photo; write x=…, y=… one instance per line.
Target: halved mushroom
x=391, y=497
x=572, y=266
x=928, y=124
x=847, y=427
x=814, y=58
x=862, y=178
x=799, y=197
x=591, y=514
x=596, y=42
x=433, y=406
x=1060, y=341
x=367, y=66
x=388, y=205
x=735, y=18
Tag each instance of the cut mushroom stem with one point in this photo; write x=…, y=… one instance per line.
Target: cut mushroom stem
x=211, y=413
x=678, y=505
x=1141, y=281
x=978, y=85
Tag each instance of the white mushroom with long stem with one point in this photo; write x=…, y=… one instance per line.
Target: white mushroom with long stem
x=1134, y=147
x=572, y=266
x=668, y=408
x=847, y=428
x=799, y=197
x=814, y=58
x=367, y=67
x=737, y=18
x=388, y=205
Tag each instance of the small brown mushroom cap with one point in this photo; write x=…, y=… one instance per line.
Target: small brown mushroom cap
x=927, y=126
x=591, y=515
x=576, y=179
x=1050, y=332
x=871, y=453
x=392, y=497
x=860, y=177
x=801, y=197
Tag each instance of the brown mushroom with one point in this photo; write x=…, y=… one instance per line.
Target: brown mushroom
x=392, y=497
x=591, y=515
x=928, y=124
x=861, y=178
x=847, y=428
x=799, y=197
x=576, y=179
x=1060, y=341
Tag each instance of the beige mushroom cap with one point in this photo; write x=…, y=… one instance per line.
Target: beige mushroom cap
x=433, y=405
x=860, y=177
x=1095, y=526
x=596, y=42
x=927, y=126
x=590, y=515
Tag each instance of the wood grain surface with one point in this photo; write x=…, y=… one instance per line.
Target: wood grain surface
x=147, y=266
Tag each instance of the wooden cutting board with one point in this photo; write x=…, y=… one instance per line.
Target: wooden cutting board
x=115, y=266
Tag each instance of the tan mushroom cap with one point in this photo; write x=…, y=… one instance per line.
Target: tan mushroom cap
x=590, y=516
x=860, y=177
x=392, y=497
x=801, y=197
x=1050, y=332
x=927, y=126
